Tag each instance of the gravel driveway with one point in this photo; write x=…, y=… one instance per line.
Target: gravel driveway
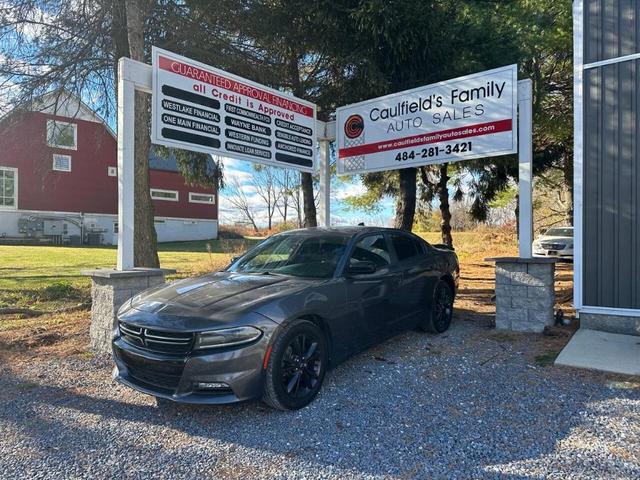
x=471, y=403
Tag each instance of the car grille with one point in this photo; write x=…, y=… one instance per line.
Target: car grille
x=553, y=246
x=164, y=375
x=156, y=340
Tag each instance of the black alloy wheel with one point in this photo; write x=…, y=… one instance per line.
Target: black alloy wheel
x=296, y=366
x=441, y=313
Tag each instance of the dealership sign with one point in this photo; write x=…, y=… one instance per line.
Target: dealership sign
x=200, y=108
x=468, y=117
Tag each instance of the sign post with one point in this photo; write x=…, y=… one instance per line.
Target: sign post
x=469, y=117
x=525, y=170
x=204, y=109
x=476, y=116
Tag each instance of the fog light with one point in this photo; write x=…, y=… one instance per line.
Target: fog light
x=211, y=386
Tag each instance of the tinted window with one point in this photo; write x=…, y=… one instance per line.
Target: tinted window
x=559, y=232
x=406, y=247
x=373, y=249
x=297, y=255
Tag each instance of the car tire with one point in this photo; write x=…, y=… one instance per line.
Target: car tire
x=296, y=366
x=440, y=314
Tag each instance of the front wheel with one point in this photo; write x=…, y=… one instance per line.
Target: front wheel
x=296, y=366
x=439, y=318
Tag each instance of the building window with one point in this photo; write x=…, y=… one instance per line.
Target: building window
x=8, y=188
x=62, y=163
x=202, y=198
x=158, y=194
x=62, y=134
x=115, y=227
x=112, y=171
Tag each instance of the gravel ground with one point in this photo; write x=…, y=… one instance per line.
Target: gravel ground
x=467, y=404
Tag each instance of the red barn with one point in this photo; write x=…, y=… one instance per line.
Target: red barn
x=58, y=181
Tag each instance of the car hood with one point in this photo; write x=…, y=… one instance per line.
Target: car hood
x=555, y=239
x=213, y=300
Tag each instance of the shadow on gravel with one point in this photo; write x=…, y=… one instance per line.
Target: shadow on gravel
x=417, y=417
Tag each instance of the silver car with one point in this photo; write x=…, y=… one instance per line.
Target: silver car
x=555, y=242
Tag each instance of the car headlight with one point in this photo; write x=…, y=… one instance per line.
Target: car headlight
x=124, y=307
x=226, y=337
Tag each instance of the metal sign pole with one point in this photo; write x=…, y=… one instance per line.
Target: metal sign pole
x=326, y=134
x=325, y=185
x=525, y=176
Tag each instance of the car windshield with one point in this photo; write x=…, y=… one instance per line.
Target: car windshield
x=559, y=232
x=297, y=255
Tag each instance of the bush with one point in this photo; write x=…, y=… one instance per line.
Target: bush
x=59, y=291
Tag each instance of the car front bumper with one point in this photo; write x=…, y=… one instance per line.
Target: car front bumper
x=176, y=378
x=563, y=253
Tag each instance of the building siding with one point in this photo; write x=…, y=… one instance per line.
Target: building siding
x=603, y=19
x=611, y=170
x=88, y=187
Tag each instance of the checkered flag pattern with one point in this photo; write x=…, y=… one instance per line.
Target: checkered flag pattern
x=354, y=163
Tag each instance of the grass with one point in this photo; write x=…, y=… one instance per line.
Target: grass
x=547, y=358
x=39, y=267
x=50, y=277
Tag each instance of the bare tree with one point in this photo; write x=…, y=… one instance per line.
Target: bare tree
x=267, y=189
x=288, y=193
x=237, y=197
x=59, y=47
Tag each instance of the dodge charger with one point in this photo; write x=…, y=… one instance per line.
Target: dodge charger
x=273, y=322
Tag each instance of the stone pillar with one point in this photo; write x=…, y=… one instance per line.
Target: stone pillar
x=525, y=294
x=109, y=290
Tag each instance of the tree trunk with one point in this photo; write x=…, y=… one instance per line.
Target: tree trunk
x=443, y=196
x=406, y=201
x=567, y=171
x=306, y=181
x=298, y=209
x=145, y=242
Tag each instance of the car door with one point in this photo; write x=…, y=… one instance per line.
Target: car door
x=415, y=267
x=370, y=296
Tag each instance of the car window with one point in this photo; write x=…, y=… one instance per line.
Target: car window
x=294, y=254
x=406, y=247
x=559, y=232
x=372, y=248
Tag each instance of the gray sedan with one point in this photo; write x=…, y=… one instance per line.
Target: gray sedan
x=270, y=325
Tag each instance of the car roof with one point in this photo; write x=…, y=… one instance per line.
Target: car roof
x=344, y=230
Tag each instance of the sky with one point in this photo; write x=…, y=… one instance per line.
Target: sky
x=341, y=214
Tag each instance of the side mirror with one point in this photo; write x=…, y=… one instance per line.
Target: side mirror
x=365, y=267
x=235, y=259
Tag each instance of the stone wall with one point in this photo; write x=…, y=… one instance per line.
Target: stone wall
x=525, y=295
x=610, y=323
x=109, y=290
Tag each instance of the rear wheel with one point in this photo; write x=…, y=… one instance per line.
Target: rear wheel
x=296, y=366
x=439, y=318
